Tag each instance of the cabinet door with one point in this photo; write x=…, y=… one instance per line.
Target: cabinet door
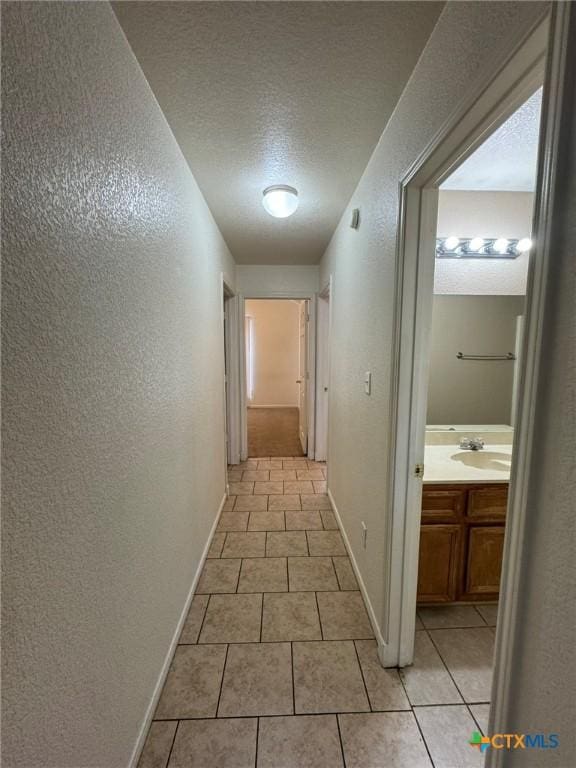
x=484, y=562
x=438, y=565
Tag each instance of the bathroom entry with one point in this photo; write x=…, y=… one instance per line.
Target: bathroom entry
x=482, y=250
x=276, y=334
x=472, y=347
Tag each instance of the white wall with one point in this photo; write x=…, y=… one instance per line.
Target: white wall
x=483, y=214
x=113, y=412
x=269, y=281
x=472, y=391
x=469, y=40
x=275, y=351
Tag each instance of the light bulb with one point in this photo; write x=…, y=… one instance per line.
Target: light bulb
x=476, y=243
x=451, y=242
x=524, y=245
x=280, y=201
x=501, y=245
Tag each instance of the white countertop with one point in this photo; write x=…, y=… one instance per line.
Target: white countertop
x=450, y=464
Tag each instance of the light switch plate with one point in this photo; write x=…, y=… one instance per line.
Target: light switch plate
x=368, y=383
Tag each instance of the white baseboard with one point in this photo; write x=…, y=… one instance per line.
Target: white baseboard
x=371, y=615
x=139, y=746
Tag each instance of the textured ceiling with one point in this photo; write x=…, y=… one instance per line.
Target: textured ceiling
x=261, y=93
x=507, y=160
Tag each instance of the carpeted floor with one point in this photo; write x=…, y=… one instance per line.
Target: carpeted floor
x=273, y=432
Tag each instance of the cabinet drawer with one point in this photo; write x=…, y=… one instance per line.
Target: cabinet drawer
x=488, y=503
x=442, y=504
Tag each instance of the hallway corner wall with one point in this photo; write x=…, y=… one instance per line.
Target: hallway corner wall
x=469, y=43
x=541, y=696
x=113, y=413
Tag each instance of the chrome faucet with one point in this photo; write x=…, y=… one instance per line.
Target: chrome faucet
x=472, y=443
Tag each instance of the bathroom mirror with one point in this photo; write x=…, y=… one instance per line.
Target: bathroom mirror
x=471, y=392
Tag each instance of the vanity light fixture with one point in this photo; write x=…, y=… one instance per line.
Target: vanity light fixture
x=501, y=245
x=280, y=201
x=476, y=243
x=452, y=242
x=481, y=247
x=524, y=245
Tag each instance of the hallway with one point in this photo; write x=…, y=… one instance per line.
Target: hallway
x=276, y=665
x=171, y=169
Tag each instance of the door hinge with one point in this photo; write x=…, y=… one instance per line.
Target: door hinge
x=419, y=470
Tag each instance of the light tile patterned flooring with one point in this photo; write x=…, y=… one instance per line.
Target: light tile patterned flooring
x=276, y=666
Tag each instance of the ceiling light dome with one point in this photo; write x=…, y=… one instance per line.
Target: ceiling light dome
x=280, y=201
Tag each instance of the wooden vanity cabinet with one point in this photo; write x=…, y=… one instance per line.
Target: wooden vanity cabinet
x=461, y=542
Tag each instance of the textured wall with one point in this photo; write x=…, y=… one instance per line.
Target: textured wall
x=276, y=351
x=469, y=39
x=543, y=672
x=113, y=414
x=483, y=214
x=472, y=391
x=267, y=280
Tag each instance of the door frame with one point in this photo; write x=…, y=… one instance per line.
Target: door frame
x=463, y=132
x=311, y=351
x=231, y=374
x=323, y=329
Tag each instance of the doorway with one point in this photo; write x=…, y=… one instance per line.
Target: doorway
x=519, y=79
x=277, y=377
x=483, y=243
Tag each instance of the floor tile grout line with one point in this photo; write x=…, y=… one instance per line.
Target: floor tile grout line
x=171, y=745
x=299, y=714
x=479, y=614
x=445, y=666
x=238, y=579
x=257, y=737
x=414, y=716
x=202, y=623
x=221, y=682
x=474, y=718
x=323, y=640
x=426, y=747
x=362, y=674
x=293, y=683
x=453, y=704
x=336, y=574
x=340, y=739
x=261, y=615
x=319, y=617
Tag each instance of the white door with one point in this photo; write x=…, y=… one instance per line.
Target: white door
x=302, y=380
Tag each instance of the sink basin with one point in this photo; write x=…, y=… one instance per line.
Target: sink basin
x=493, y=460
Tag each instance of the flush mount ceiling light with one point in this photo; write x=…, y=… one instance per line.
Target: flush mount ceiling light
x=481, y=247
x=280, y=201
